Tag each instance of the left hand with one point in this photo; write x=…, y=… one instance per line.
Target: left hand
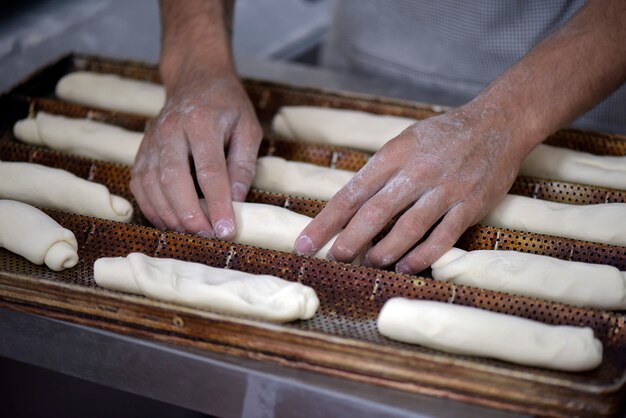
x=454, y=168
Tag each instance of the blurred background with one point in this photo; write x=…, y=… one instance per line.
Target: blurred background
x=34, y=32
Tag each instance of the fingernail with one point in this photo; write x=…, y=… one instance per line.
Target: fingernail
x=330, y=257
x=403, y=268
x=205, y=234
x=224, y=229
x=366, y=261
x=239, y=191
x=304, y=246
x=180, y=229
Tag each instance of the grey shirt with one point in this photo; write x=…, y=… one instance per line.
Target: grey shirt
x=452, y=45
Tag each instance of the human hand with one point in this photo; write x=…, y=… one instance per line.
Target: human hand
x=454, y=168
x=204, y=117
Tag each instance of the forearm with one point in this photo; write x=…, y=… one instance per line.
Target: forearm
x=564, y=76
x=195, y=39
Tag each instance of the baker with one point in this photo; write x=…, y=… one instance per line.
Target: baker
x=526, y=68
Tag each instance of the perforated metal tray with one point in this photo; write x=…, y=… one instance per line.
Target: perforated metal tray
x=342, y=339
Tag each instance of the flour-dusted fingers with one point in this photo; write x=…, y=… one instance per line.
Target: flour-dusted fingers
x=207, y=149
x=342, y=207
x=372, y=217
x=176, y=181
x=438, y=242
x=146, y=206
x=242, y=155
x=409, y=229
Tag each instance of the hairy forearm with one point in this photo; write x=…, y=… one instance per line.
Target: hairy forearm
x=195, y=38
x=563, y=76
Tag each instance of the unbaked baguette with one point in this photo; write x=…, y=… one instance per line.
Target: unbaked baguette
x=83, y=137
x=112, y=92
x=581, y=284
x=605, y=223
x=477, y=332
x=53, y=188
x=27, y=231
x=197, y=285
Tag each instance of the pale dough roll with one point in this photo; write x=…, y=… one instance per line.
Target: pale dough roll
x=347, y=128
x=27, y=231
x=112, y=92
x=200, y=286
x=83, y=137
x=271, y=227
x=53, y=188
x=603, y=223
x=575, y=283
x=277, y=175
x=556, y=163
x=477, y=332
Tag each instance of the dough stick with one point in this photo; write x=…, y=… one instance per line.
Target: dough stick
x=580, y=284
x=271, y=227
x=346, y=128
x=557, y=163
x=112, y=92
x=477, y=332
x=603, y=223
x=83, y=137
x=277, y=175
x=369, y=132
x=52, y=188
x=27, y=231
x=200, y=286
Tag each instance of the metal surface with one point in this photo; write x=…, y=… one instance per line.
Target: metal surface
x=209, y=382
x=341, y=340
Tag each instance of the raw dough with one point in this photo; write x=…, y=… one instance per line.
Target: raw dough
x=200, y=286
x=27, y=231
x=277, y=175
x=53, y=188
x=477, y=332
x=112, y=92
x=605, y=223
x=580, y=284
x=557, y=163
x=83, y=137
x=271, y=227
x=346, y=128
x=369, y=132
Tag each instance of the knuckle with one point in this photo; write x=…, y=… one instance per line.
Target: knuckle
x=206, y=168
x=411, y=225
x=198, y=114
x=346, y=199
x=170, y=175
x=374, y=216
x=168, y=124
x=245, y=167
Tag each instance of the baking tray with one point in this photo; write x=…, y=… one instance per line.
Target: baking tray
x=341, y=340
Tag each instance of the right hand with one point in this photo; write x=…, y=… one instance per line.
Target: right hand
x=204, y=117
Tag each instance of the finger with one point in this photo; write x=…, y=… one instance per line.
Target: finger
x=211, y=171
x=408, y=230
x=371, y=218
x=443, y=237
x=177, y=183
x=149, y=182
x=144, y=204
x=242, y=155
x=145, y=186
x=342, y=207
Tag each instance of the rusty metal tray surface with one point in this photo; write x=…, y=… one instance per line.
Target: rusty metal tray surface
x=342, y=339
